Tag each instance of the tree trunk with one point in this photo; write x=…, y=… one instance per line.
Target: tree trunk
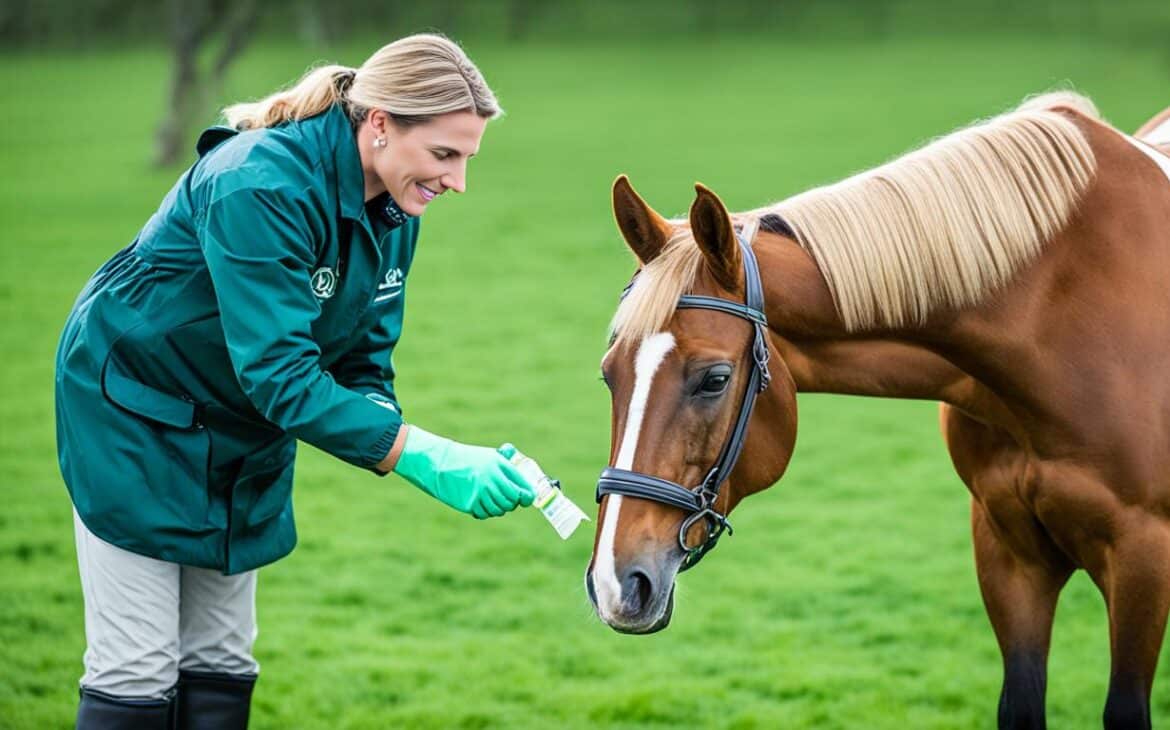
x=191, y=91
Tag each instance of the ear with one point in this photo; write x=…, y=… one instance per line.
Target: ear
x=379, y=121
x=645, y=231
x=711, y=227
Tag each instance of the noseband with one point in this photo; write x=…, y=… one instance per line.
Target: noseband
x=699, y=502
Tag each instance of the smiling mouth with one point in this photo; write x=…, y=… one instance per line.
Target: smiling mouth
x=427, y=194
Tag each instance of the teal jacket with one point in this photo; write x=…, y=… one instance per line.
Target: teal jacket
x=259, y=305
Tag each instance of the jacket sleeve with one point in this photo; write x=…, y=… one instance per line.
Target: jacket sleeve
x=258, y=244
x=368, y=367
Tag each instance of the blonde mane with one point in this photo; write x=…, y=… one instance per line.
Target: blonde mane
x=650, y=302
x=943, y=226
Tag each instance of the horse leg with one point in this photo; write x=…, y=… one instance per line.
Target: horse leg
x=1020, y=596
x=1135, y=579
x=1021, y=571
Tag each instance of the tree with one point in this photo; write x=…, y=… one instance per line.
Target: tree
x=192, y=25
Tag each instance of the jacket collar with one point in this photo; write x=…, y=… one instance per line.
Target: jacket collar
x=329, y=137
x=351, y=182
x=337, y=134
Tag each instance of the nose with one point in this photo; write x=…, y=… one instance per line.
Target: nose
x=634, y=599
x=456, y=180
x=637, y=590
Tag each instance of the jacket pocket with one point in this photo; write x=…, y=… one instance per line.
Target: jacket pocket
x=264, y=485
x=149, y=403
x=168, y=442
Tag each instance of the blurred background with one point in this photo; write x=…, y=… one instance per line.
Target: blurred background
x=847, y=596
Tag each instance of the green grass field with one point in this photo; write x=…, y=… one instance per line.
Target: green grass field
x=847, y=597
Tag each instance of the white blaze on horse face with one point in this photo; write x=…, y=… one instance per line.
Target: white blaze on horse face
x=651, y=352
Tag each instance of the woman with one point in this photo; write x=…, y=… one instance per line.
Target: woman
x=258, y=306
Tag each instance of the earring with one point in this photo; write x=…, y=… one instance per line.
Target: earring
x=379, y=142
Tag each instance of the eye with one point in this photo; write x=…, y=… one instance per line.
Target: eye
x=715, y=381
x=714, y=384
x=441, y=155
x=605, y=380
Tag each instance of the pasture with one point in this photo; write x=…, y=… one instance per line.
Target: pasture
x=847, y=596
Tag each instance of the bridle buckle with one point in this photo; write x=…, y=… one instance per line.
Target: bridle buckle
x=717, y=524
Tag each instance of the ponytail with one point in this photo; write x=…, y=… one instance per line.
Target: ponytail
x=317, y=90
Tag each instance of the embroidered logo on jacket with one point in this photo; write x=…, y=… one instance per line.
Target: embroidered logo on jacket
x=391, y=286
x=324, y=282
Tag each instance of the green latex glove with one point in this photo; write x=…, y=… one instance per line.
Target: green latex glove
x=472, y=479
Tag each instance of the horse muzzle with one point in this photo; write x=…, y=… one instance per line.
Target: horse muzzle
x=635, y=600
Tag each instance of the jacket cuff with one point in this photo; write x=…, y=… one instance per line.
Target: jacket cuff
x=382, y=447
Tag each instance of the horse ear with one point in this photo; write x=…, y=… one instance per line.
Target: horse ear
x=645, y=231
x=712, y=230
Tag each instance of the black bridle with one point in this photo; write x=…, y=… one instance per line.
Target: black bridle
x=699, y=502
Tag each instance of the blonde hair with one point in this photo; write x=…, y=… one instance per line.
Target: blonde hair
x=413, y=79
x=652, y=299
x=1064, y=97
x=944, y=226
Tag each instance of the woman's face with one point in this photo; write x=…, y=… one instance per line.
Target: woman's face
x=419, y=162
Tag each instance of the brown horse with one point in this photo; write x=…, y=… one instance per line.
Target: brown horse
x=1017, y=271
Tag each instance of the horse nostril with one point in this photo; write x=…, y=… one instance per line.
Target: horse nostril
x=637, y=588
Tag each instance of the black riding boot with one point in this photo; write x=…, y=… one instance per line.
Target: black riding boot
x=99, y=711
x=212, y=701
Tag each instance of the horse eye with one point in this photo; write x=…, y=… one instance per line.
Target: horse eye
x=715, y=382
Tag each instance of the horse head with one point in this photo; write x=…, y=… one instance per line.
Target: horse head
x=690, y=358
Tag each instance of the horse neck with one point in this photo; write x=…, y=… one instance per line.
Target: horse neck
x=822, y=356
x=1032, y=353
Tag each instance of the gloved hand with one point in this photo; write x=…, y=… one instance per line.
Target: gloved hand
x=472, y=479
